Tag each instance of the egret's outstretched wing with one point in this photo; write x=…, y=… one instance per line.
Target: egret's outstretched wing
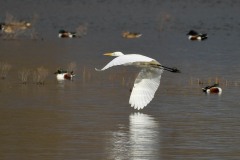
x=127, y=60
x=145, y=86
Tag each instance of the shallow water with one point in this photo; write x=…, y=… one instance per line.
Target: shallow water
x=89, y=117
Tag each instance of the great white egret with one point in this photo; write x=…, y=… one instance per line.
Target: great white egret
x=62, y=75
x=148, y=79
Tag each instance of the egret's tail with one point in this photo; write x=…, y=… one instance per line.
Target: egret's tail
x=174, y=69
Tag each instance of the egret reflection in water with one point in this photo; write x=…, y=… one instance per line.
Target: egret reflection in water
x=141, y=141
x=144, y=135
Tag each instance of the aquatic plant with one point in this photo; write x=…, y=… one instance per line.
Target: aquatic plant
x=23, y=75
x=82, y=30
x=213, y=80
x=87, y=74
x=4, y=69
x=163, y=19
x=72, y=67
x=40, y=75
x=34, y=35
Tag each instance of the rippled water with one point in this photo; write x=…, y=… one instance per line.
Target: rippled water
x=90, y=118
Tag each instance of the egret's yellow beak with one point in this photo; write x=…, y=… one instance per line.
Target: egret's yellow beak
x=107, y=54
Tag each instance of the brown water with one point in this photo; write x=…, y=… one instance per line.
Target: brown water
x=89, y=117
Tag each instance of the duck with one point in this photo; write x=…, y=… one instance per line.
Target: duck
x=2, y=26
x=66, y=34
x=131, y=35
x=64, y=75
x=193, y=35
x=212, y=89
x=14, y=26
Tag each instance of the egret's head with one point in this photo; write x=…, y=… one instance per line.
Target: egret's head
x=116, y=54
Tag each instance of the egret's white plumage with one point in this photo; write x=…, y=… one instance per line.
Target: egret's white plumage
x=129, y=59
x=145, y=86
x=147, y=81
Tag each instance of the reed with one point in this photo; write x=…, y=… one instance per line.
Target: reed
x=23, y=75
x=34, y=35
x=72, y=67
x=84, y=75
x=163, y=19
x=4, y=69
x=40, y=75
x=81, y=30
x=87, y=75
x=213, y=80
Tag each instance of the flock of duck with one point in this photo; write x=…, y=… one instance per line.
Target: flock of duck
x=148, y=79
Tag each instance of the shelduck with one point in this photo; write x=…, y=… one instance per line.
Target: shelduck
x=212, y=89
x=66, y=34
x=193, y=35
x=64, y=75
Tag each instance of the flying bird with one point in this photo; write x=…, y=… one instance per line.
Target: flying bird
x=148, y=79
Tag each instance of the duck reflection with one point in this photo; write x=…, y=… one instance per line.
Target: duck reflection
x=141, y=141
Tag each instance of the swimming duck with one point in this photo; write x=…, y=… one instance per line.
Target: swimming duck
x=66, y=34
x=14, y=26
x=212, y=89
x=131, y=35
x=64, y=75
x=2, y=26
x=193, y=35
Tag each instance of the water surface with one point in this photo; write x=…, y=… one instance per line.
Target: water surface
x=89, y=117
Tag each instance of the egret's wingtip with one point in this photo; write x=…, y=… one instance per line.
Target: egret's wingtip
x=97, y=69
